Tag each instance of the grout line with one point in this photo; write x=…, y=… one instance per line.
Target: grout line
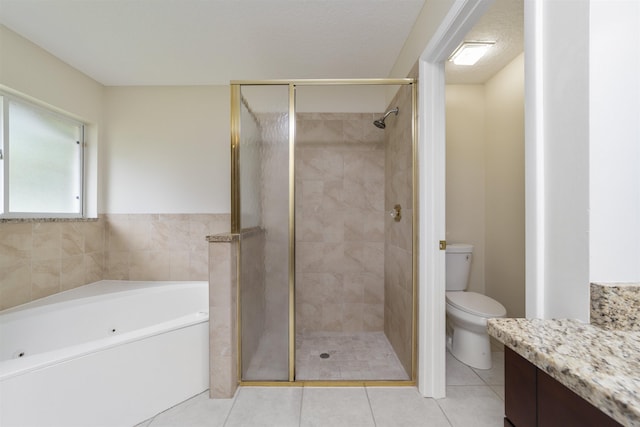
x=478, y=375
x=373, y=417
x=150, y=420
x=235, y=397
x=496, y=393
x=301, y=403
x=443, y=411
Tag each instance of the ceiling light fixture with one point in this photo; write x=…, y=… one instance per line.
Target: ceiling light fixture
x=468, y=53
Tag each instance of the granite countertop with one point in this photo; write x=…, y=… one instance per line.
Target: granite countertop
x=600, y=365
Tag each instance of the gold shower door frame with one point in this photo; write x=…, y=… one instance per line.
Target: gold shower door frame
x=235, y=87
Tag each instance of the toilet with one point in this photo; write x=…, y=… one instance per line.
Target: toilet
x=467, y=312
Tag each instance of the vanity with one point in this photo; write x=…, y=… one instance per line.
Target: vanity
x=566, y=373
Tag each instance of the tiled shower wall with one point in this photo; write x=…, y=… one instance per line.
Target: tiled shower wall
x=38, y=259
x=398, y=281
x=339, y=223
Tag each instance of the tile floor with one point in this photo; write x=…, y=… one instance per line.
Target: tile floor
x=474, y=398
x=352, y=356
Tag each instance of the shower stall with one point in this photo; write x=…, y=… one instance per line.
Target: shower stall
x=323, y=199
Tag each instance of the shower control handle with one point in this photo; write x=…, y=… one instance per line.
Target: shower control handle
x=396, y=213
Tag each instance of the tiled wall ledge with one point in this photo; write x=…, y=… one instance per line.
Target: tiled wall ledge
x=223, y=237
x=20, y=220
x=616, y=306
x=234, y=237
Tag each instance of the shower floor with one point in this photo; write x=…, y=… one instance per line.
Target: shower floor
x=352, y=357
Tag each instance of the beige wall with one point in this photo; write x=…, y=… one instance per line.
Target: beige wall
x=485, y=182
x=398, y=242
x=159, y=140
x=41, y=258
x=339, y=223
x=465, y=178
x=30, y=71
x=430, y=18
x=167, y=150
x=504, y=202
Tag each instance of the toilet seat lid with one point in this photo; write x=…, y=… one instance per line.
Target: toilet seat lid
x=475, y=303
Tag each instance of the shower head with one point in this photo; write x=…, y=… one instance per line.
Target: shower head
x=380, y=122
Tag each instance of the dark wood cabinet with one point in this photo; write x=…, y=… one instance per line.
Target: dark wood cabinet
x=520, y=389
x=533, y=398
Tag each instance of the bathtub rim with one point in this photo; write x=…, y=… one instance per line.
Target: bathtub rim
x=86, y=293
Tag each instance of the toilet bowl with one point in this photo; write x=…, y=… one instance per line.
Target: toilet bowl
x=467, y=312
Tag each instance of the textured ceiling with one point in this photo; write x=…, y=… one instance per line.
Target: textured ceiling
x=502, y=23
x=191, y=42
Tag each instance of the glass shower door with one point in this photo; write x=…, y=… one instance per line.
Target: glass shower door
x=262, y=200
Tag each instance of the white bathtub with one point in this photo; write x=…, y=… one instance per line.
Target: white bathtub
x=112, y=353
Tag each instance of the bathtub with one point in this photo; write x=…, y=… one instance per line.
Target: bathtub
x=112, y=353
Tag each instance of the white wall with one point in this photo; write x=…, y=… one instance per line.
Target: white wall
x=504, y=194
x=558, y=160
x=167, y=150
x=465, y=187
x=614, y=137
x=30, y=71
x=583, y=183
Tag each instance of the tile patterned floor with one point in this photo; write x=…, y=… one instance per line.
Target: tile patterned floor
x=352, y=356
x=474, y=398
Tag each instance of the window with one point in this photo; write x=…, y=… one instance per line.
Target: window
x=41, y=161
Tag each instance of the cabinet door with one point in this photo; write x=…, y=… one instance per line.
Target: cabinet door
x=560, y=407
x=520, y=390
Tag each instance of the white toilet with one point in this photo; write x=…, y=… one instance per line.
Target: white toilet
x=467, y=312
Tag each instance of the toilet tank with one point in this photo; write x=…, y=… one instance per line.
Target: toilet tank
x=458, y=266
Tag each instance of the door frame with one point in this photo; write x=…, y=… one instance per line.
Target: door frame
x=461, y=17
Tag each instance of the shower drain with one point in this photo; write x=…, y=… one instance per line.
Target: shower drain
x=324, y=355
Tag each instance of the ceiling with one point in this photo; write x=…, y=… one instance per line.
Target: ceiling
x=502, y=23
x=193, y=42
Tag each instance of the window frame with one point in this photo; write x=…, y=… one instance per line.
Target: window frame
x=5, y=156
